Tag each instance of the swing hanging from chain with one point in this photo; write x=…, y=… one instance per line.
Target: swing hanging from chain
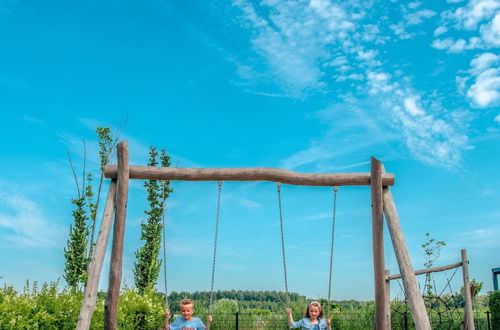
x=334, y=216
x=215, y=244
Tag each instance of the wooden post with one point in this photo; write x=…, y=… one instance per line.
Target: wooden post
x=95, y=267
x=378, y=245
x=469, y=316
x=415, y=300
x=115, y=269
x=388, y=297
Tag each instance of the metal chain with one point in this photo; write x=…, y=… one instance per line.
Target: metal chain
x=215, y=244
x=278, y=186
x=164, y=242
x=334, y=216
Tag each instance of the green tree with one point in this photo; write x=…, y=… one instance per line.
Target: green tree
x=432, y=249
x=79, y=249
x=75, y=268
x=147, y=266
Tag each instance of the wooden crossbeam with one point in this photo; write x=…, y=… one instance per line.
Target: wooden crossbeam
x=248, y=174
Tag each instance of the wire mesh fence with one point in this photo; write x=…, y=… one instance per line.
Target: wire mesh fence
x=358, y=320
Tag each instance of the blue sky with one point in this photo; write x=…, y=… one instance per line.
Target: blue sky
x=311, y=86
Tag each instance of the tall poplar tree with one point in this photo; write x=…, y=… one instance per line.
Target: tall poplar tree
x=147, y=266
x=80, y=245
x=75, y=268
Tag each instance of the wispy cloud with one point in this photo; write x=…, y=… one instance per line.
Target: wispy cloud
x=33, y=120
x=23, y=224
x=319, y=46
x=249, y=203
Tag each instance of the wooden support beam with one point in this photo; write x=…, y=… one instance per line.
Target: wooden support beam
x=381, y=321
x=428, y=270
x=415, y=300
x=95, y=267
x=469, y=315
x=248, y=174
x=115, y=269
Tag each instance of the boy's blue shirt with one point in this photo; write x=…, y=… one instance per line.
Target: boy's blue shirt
x=180, y=323
x=305, y=323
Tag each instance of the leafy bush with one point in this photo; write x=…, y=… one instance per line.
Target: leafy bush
x=48, y=308
x=495, y=308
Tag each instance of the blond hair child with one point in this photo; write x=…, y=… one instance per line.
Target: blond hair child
x=186, y=321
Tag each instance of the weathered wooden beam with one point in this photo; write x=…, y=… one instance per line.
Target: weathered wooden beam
x=95, y=267
x=388, y=297
x=248, y=174
x=469, y=315
x=381, y=318
x=415, y=300
x=428, y=270
x=115, y=269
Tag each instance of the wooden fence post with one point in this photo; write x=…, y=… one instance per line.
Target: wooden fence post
x=469, y=315
x=115, y=269
x=95, y=267
x=415, y=300
x=381, y=322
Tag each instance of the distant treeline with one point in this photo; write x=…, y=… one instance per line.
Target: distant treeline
x=261, y=300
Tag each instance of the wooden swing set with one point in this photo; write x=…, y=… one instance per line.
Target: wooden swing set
x=381, y=200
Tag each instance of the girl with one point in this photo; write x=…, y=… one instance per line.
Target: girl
x=313, y=320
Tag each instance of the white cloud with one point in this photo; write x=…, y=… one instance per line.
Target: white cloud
x=497, y=118
x=23, y=224
x=380, y=82
x=417, y=17
x=32, y=120
x=456, y=46
x=412, y=108
x=367, y=55
x=481, y=16
x=440, y=30
x=491, y=32
x=249, y=203
x=303, y=42
x=294, y=38
x=474, y=12
x=433, y=140
x=432, y=137
x=485, y=73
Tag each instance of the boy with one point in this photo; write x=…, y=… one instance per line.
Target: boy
x=186, y=321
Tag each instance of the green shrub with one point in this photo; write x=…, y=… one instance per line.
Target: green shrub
x=494, y=303
x=49, y=308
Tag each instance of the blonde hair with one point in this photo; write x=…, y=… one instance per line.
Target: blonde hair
x=315, y=304
x=185, y=302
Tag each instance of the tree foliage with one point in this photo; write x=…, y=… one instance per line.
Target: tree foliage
x=79, y=249
x=494, y=303
x=432, y=249
x=75, y=268
x=147, y=265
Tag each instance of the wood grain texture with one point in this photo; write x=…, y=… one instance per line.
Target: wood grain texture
x=248, y=174
x=381, y=303
x=469, y=315
x=415, y=300
x=115, y=269
x=95, y=267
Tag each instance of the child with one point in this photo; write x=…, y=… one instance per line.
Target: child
x=313, y=320
x=186, y=320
